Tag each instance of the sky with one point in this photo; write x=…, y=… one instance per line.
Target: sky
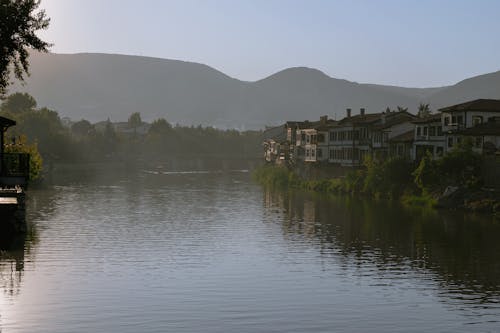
x=412, y=43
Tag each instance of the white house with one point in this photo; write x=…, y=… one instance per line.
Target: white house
x=459, y=117
x=428, y=137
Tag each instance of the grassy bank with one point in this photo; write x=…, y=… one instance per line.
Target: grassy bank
x=452, y=183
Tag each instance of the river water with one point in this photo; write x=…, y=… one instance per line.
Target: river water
x=214, y=252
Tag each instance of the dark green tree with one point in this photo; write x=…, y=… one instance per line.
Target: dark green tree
x=424, y=110
x=160, y=126
x=135, y=121
x=82, y=128
x=18, y=102
x=19, y=22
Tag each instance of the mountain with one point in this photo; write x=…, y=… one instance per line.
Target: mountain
x=98, y=86
x=482, y=86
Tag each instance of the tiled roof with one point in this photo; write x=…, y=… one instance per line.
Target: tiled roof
x=277, y=133
x=405, y=137
x=475, y=105
x=395, y=118
x=430, y=119
x=361, y=119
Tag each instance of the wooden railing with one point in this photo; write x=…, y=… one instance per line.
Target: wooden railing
x=15, y=165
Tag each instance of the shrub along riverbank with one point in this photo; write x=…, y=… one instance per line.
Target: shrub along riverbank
x=453, y=181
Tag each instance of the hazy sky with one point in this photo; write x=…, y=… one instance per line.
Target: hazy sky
x=418, y=43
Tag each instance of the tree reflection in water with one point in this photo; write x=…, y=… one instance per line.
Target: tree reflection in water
x=16, y=248
x=457, y=251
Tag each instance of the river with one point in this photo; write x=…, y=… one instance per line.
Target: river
x=215, y=252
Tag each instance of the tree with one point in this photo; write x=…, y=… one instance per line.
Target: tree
x=423, y=110
x=19, y=102
x=19, y=22
x=22, y=146
x=135, y=121
x=82, y=128
x=427, y=174
x=160, y=126
x=401, y=109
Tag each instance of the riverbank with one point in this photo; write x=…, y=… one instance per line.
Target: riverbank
x=369, y=184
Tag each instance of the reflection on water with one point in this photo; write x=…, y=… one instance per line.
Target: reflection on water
x=158, y=251
x=13, y=252
x=461, y=250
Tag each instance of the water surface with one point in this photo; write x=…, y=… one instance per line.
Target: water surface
x=214, y=252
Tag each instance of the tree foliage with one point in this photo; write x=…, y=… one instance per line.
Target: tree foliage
x=459, y=167
x=427, y=172
x=424, y=110
x=82, y=128
x=19, y=102
x=19, y=22
x=22, y=146
x=134, y=120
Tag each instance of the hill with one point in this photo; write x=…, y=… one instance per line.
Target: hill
x=98, y=86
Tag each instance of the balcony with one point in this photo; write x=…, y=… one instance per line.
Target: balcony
x=14, y=168
x=453, y=127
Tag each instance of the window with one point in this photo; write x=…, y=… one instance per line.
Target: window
x=399, y=150
x=356, y=153
x=313, y=153
x=460, y=120
x=478, y=142
x=440, y=131
x=425, y=130
x=307, y=152
x=476, y=120
x=321, y=137
x=446, y=121
x=332, y=152
x=308, y=138
x=453, y=119
x=450, y=142
x=303, y=136
x=385, y=137
x=419, y=131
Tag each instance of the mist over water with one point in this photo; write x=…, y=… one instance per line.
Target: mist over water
x=198, y=250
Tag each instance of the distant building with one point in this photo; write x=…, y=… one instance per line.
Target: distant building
x=457, y=119
x=349, y=141
x=275, y=144
x=428, y=137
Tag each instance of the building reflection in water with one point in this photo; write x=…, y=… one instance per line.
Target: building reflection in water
x=457, y=251
x=11, y=263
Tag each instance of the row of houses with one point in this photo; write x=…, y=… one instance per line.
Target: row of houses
x=348, y=141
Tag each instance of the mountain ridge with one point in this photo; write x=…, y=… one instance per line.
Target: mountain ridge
x=96, y=86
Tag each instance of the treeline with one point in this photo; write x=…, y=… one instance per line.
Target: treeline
x=60, y=141
x=398, y=179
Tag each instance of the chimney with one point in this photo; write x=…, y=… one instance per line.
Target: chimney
x=348, y=113
x=362, y=111
x=323, y=119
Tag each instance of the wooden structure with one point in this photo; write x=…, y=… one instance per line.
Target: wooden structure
x=14, y=167
x=14, y=175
